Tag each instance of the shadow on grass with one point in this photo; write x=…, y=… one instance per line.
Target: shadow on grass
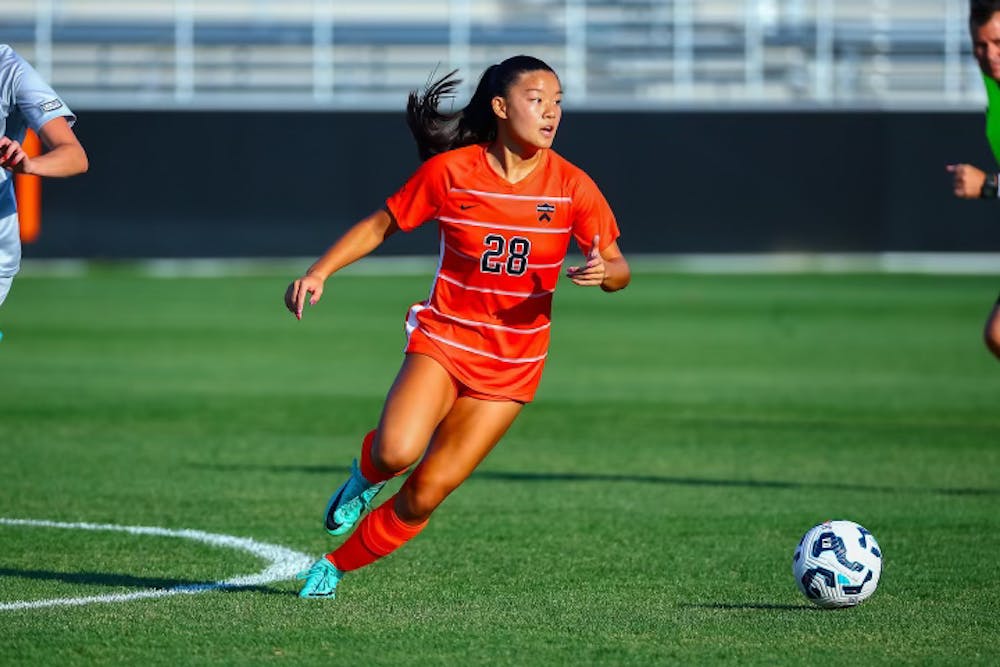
x=752, y=605
x=125, y=580
x=500, y=476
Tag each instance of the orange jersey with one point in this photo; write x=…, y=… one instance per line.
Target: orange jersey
x=502, y=249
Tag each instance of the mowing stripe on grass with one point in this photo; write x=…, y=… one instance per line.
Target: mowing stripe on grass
x=283, y=563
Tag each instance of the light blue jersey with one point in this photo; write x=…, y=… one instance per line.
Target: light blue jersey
x=25, y=101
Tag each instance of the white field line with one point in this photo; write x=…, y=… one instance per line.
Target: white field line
x=958, y=263
x=283, y=563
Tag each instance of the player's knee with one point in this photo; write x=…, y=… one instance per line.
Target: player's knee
x=389, y=462
x=395, y=452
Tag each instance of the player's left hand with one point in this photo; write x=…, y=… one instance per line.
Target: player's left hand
x=12, y=156
x=592, y=274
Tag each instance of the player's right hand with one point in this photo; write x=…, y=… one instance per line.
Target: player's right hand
x=295, y=295
x=12, y=155
x=967, y=181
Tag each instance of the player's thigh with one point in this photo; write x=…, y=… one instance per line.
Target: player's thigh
x=421, y=395
x=466, y=435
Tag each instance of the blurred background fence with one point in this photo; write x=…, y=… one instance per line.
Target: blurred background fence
x=263, y=127
x=612, y=54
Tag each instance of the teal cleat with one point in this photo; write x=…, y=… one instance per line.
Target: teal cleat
x=350, y=501
x=321, y=580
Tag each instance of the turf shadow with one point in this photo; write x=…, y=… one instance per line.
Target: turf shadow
x=752, y=605
x=501, y=476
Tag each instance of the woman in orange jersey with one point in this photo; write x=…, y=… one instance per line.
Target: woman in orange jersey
x=506, y=206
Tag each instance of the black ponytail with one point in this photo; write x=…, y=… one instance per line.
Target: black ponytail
x=436, y=132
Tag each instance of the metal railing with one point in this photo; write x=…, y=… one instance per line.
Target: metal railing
x=621, y=54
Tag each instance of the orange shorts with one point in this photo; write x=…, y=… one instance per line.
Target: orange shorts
x=420, y=343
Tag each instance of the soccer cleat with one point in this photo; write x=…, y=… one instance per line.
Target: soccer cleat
x=350, y=501
x=321, y=580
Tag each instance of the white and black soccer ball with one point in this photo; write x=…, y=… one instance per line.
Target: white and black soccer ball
x=837, y=564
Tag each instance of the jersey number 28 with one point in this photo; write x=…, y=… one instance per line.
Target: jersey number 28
x=515, y=249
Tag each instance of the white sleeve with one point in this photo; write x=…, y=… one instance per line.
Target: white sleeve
x=35, y=99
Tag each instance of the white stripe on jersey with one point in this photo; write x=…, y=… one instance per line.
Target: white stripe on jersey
x=460, y=253
x=546, y=266
x=485, y=290
x=490, y=326
x=499, y=195
x=525, y=360
x=493, y=225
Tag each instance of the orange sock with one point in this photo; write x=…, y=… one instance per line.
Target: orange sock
x=368, y=469
x=378, y=535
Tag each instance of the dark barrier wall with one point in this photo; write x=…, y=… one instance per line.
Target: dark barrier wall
x=213, y=184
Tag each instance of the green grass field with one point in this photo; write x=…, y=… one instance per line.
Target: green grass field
x=642, y=511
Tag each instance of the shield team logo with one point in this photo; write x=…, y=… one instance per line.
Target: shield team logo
x=544, y=212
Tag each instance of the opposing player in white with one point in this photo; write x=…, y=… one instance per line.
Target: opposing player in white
x=27, y=101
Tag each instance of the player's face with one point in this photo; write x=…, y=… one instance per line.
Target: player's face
x=986, y=46
x=532, y=109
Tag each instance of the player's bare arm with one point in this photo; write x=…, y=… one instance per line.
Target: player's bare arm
x=64, y=156
x=358, y=241
x=617, y=274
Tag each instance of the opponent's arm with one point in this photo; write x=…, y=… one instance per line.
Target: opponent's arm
x=64, y=156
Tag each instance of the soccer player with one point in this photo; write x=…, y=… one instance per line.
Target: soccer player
x=26, y=101
x=970, y=182
x=506, y=206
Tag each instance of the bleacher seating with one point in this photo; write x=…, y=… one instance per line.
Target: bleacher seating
x=612, y=54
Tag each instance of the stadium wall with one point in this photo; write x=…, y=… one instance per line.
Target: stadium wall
x=261, y=184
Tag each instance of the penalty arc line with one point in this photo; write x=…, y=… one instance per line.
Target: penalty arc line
x=283, y=563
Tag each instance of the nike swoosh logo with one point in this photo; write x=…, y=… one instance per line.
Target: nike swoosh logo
x=333, y=508
x=465, y=206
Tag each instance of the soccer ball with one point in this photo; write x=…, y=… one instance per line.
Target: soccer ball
x=837, y=564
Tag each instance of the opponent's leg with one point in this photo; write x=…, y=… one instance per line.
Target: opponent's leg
x=5, y=283
x=991, y=333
